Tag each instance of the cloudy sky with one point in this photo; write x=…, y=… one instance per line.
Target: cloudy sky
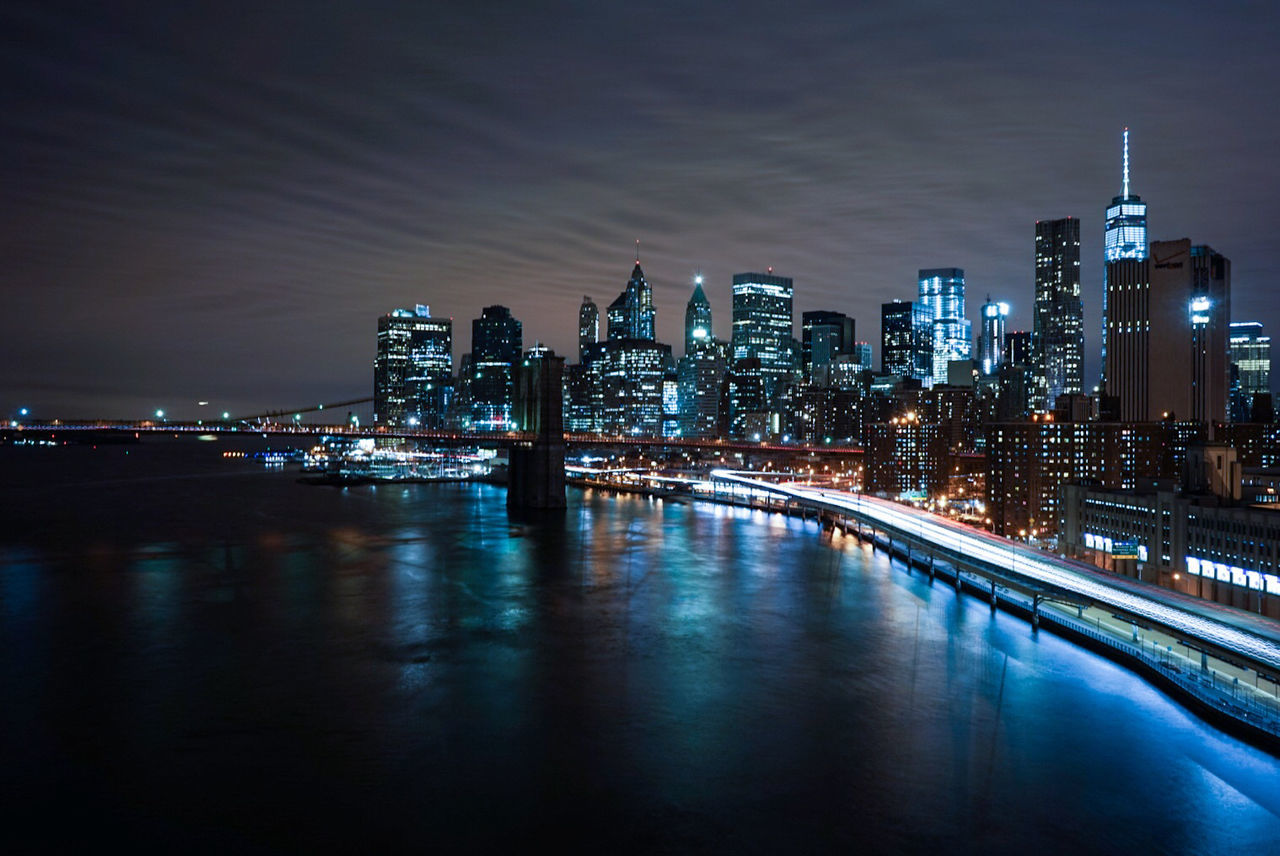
x=216, y=201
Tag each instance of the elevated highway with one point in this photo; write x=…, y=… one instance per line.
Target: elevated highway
x=1220, y=631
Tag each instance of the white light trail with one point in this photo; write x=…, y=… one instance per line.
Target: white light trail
x=1007, y=555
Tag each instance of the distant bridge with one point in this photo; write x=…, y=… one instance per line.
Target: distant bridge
x=291, y=422
x=491, y=439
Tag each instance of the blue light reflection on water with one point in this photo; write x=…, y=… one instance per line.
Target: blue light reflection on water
x=409, y=664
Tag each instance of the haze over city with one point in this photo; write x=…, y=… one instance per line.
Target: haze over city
x=215, y=203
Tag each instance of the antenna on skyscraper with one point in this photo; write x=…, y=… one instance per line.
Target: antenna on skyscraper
x=637, y=251
x=1126, y=163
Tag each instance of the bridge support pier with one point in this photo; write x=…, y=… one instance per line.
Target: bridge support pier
x=535, y=477
x=993, y=597
x=1035, y=612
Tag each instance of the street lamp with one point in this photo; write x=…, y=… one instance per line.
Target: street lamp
x=159, y=414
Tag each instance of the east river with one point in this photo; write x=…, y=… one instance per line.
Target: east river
x=197, y=653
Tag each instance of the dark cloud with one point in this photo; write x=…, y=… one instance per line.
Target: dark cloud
x=217, y=201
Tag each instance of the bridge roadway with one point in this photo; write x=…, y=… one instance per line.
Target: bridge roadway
x=1224, y=632
x=489, y=439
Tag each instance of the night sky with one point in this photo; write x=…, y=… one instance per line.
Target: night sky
x=216, y=201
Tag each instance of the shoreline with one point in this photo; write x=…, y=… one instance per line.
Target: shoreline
x=1207, y=705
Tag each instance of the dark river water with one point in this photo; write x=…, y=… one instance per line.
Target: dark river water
x=201, y=654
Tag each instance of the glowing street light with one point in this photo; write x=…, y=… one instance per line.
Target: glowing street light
x=159, y=414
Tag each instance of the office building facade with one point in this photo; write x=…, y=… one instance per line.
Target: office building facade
x=1017, y=348
x=497, y=344
x=699, y=376
x=1058, y=332
x=991, y=339
x=413, y=369
x=942, y=295
x=823, y=337
x=906, y=340
x=744, y=408
x=1250, y=368
x=1168, y=329
x=588, y=326
x=762, y=327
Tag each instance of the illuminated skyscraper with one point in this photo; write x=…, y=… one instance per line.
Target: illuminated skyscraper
x=823, y=336
x=616, y=318
x=413, y=369
x=1124, y=237
x=1169, y=334
x=699, y=376
x=588, y=326
x=744, y=403
x=1250, y=368
x=906, y=340
x=640, y=313
x=701, y=369
x=991, y=339
x=762, y=326
x=497, y=342
x=697, y=318
x=631, y=315
x=1058, y=334
x=631, y=376
x=942, y=295
x=626, y=374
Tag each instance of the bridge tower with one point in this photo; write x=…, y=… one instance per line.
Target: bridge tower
x=536, y=474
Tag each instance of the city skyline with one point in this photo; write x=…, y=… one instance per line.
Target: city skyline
x=193, y=202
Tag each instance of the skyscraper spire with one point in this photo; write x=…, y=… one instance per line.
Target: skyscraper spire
x=1126, y=174
x=1126, y=184
x=1124, y=237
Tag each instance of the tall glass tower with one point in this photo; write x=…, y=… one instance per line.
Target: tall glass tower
x=631, y=316
x=942, y=295
x=413, y=369
x=639, y=303
x=906, y=340
x=762, y=325
x=991, y=342
x=1057, y=340
x=1124, y=237
x=1250, y=367
x=588, y=326
x=497, y=343
x=697, y=318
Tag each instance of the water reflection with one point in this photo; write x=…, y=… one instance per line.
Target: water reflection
x=322, y=668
